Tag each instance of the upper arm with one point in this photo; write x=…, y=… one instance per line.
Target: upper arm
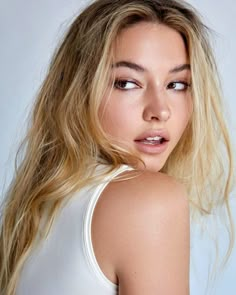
x=151, y=240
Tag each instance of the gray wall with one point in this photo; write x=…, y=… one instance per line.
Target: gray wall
x=29, y=31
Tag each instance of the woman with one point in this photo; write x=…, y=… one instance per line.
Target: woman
x=123, y=129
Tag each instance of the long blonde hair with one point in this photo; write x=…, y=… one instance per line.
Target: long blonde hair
x=65, y=138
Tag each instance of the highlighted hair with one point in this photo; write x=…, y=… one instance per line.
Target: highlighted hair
x=65, y=141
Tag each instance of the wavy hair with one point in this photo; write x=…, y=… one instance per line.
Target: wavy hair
x=65, y=140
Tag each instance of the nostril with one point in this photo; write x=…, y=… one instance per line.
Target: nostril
x=164, y=115
x=160, y=114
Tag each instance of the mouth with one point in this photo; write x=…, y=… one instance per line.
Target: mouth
x=153, y=137
x=156, y=140
x=153, y=141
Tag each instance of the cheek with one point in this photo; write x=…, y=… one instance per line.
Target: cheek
x=113, y=117
x=119, y=113
x=109, y=121
x=187, y=113
x=189, y=110
x=183, y=114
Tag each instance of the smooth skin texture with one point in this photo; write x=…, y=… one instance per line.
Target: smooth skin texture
x=140, y=235
x=154, y=99
x=140, y=226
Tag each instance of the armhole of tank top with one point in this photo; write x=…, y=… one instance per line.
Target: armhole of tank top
x=87, y=238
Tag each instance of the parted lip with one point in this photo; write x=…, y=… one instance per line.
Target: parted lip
x=152, y=133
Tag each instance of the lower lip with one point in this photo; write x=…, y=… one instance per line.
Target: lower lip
x=151, y=149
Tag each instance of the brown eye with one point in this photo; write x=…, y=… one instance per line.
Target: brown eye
x=125, y=84
x=178, y=86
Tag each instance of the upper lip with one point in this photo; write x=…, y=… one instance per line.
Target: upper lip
x=154, y=132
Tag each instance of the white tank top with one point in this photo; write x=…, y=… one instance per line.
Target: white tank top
x=65, y=263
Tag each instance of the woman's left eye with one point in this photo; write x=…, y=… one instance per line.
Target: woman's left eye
x=125, y=84
x=178, y=86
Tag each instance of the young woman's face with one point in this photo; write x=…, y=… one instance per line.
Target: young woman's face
x=149, y=105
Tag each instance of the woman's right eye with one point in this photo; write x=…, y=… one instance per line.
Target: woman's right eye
x=125, y=84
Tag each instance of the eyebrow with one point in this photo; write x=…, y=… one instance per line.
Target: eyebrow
x=180, y=68
x=139, y=68
x=130, y=65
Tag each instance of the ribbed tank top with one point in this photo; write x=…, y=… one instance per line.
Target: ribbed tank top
x=65, y=263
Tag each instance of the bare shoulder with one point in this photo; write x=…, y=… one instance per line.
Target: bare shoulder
x=155, y=184
x=148, y=233
x=149, y=189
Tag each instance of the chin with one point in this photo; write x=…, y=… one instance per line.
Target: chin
x=151, y=165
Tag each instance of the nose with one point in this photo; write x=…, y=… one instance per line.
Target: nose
x=156, y=107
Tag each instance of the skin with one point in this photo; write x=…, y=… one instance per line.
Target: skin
x=144, y=221
x=147, y=99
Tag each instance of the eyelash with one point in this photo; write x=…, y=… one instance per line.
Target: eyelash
x=117, y=86
x=186, y=85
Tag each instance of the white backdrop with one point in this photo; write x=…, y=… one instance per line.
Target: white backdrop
x=29, y=31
